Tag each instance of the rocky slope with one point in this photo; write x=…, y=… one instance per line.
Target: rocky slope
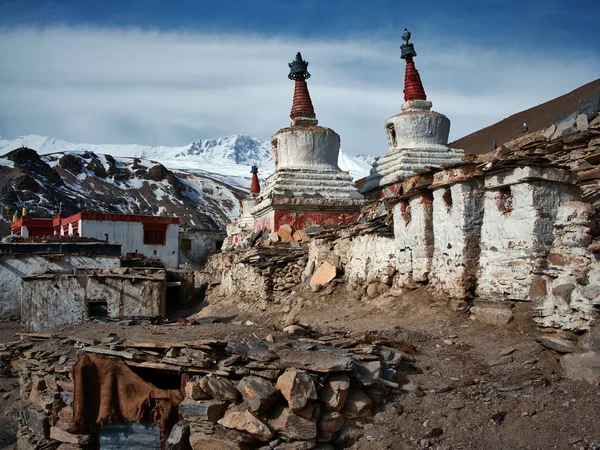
x=201, y=183
x=78, y=181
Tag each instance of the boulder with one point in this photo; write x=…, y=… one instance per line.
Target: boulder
x=335, y=391
x=298, y=388
x=200, y=441
x=557, y=344
x=358, y=404
x=219, y=388
x=292, y=426
x=582, y=367
x=324, y=274
x=331, y=422
x=246, y=421
x=202, y=410
x=259, y=394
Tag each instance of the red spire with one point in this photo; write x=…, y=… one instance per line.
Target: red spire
x=302, y=106
x=413, y=88
x=254, y=186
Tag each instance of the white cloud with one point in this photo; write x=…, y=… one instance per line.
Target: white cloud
x=167, y=88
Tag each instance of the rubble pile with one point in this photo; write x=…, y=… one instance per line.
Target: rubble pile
x=294, y=389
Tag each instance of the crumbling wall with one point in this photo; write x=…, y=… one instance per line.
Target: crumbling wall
x=413, y=231
x=14, y=267
x=457, y=219
x=517, y=229
x=569, y=286
x=56, y=299
x=369, y=259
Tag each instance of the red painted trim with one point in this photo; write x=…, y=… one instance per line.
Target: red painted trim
x=121, y=218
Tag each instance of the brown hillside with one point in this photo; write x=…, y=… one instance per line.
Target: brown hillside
x=537, y=118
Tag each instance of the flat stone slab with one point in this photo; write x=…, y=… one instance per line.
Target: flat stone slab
x=324, y=274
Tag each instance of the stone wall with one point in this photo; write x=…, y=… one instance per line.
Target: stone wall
x=14, y=267
x=568, y=287
x=195, y=246
x=65, y=298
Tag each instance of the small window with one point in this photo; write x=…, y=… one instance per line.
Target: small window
x=504, y=200
x=185, y=245
x=155, y=237
x=391, y=134
x=447, y=197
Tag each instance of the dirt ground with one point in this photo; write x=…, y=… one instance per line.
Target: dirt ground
x=460, y=396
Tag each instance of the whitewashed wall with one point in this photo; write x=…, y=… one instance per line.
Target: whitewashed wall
x=514, y=243
x=62, y=299
x=413, y=232
x=457, y=218
x=13, y=267
x=131, y=237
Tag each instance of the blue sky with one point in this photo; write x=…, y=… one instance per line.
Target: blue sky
x=158, y=72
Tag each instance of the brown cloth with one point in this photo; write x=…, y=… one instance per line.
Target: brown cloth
x=107, y=390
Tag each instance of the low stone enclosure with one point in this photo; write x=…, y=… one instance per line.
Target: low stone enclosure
x=501, y=228
x=264, y=389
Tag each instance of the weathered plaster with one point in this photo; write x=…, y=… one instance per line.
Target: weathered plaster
x=413, y=232
x=517, y=233
x=13, y=267
x=457, y=219
x=58, y=299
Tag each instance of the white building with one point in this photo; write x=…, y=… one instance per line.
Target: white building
x=152, y=236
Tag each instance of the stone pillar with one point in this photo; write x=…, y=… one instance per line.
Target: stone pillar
x=413, y=232
x=457, y=219
x=571, y=280
x=520, y=206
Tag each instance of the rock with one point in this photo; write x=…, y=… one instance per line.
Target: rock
x=37, y=422
x=331, y=422
x=335, y=392
x=434, y=432
x=358, y=404
x=591, y=291
x=287, y=227
x=219, y=388
x=297, y=387
x=507, y=351
x=548, y=132
x=202, y=410
x=292, y=426
x=179, y=438
x=258, y=393
x=556, y=344
x=456, y=404
x=372, y=290
x=200, y=441
x=194, y=391
x=285, y=235
x=246, y=421
x=595, y=121
x=367, y=374
x=582, y=367
x=316, y=287
x=582, y=122
x=273, y=236
x=501, y=360
x=295, y=330
x=324, y=274
x=563, y=292
x=500, y=315
x=64, y=420
x=298, y=445
x=69, y=438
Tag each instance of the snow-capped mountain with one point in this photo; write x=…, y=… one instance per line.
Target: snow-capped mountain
x=229, y=156
x=201, y=183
